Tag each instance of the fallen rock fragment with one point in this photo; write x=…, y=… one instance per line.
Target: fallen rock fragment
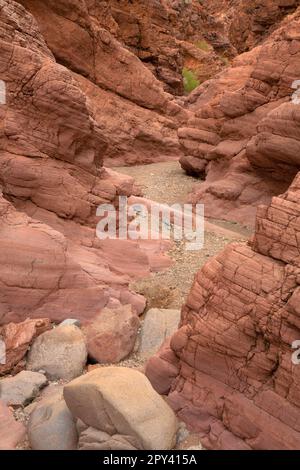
x=162, y=368
x=17, y=338
x=61, y=353
x=121, y=401
x=158, y=325
x=21, y=389
x=111, y=335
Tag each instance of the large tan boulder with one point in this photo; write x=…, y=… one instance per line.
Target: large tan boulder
x=121, y=401
x=61, y=353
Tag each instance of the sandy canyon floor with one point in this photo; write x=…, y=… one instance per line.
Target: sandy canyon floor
x=167, y=183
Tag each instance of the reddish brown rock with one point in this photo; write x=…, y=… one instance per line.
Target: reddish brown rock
x=157, y=32
x=278, y=226
x=249, y=25
x=11, y=432
x=134, y=133
x=112, y=334
x=137, y=118
x=236, y=382
x=242, y=25
x=244, y=135
x=126, y=56
x=85, y=46
x=17, y=339
x=123, y=52
x=52, y=179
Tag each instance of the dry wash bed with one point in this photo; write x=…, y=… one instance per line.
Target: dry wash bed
x=167, y=183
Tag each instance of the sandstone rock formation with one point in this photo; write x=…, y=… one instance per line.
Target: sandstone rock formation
x=126, y=54
x=247, y=25
x=118, y=409
x=135, y=115
x=157, y=32
x=86, y=83
x=228, y=370
x=244, y=136
x=238, y=26
x=51, y=176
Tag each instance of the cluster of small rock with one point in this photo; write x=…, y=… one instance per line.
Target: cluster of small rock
x=52, y=397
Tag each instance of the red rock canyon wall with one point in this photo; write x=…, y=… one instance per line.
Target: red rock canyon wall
x=228, y=371
x=52, y=181
x=244, y=134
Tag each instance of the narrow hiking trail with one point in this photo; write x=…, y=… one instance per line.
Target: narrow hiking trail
x=167, y=183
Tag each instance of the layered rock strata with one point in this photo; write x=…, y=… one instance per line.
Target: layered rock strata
x=52, y=181
x=230, y=370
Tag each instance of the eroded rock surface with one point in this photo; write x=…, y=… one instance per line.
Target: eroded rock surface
x=135, y=115
x=247, y=25
x=52, y=180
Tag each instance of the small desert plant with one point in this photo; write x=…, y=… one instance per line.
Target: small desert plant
x=203, y=45
x=190, y=80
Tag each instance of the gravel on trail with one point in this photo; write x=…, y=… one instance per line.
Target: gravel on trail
x=167, y=183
